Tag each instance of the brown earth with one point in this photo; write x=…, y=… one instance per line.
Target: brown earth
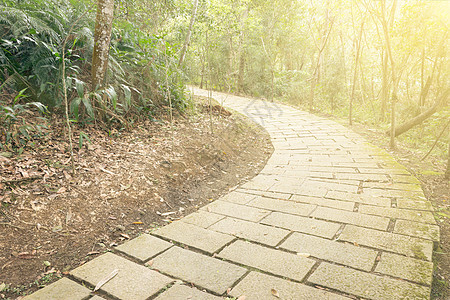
x=125, y=183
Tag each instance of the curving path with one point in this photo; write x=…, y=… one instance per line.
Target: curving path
x=329, y=217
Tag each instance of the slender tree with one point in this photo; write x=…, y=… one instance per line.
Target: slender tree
x=188, y=35
x=102, y=40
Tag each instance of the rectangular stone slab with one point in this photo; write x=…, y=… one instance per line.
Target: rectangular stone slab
x=195, y=236
x=61, y=289
x=270, y=260
x=421, y=230
x=206, y=272
x=286, y=206
x=347, y=254
x=351, y=217
x=202, y=218
x=366, y=285
x=132, y=282
x=182, y=292
x=324, y=202
x=258, y=286
x=253, y=231
x=236, y=211
x=402, y=244
x=398, y=213
x=405, y=267
x=144, y=247
x=302, y=224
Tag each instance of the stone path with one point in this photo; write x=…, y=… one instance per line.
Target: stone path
x=329, y=217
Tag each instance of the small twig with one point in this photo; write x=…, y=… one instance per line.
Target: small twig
x=34, y=177
x=11, y=225
x=435, y=142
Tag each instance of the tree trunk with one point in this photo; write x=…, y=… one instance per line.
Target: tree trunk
x=423, y=116
x=188, y=35
x=355, y=74
x=102, y=40
x=447, y=172
x=384, y=84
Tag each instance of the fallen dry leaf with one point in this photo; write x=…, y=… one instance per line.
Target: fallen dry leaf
x=275, y=293
x=61, y=190
x=106, y=279
x=125, y=236
x=303, y=254
x=243, y=297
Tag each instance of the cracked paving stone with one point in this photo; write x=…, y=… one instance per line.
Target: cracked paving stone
x=343, y=253
x=257, y=286
x=204, y=271
x=61, y=289
x=144, y=247
x=366, y=285
x=194, y=236
x=270, y=260
x=132, y=282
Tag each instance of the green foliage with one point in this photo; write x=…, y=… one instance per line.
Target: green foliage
x=16, y=129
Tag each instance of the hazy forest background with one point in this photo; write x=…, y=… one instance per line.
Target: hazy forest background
x=381, y=63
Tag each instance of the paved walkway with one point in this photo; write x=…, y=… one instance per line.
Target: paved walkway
x=329, y=217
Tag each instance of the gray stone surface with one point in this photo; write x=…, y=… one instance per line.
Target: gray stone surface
x=202, y=218
x=302, y=224
x=377, y=201
x=270, y=260
x=350, y=217
x=397, y=213
x=184, y=292
x=204, y=271
x=144, y=247
x=406, y=268
x=397, y=243
x=324, y=202
x=366, y=285
x=421, y=230
x=194, y=236
x=237, y=197
x=132, y=282
x=257, y=286
x=236, y=210
x=286, y=206
x=331, y=250
x=252, y=231
x=63, y=289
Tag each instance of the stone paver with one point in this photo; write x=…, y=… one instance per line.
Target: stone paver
x=302, y=224
x=252, y=231
x=194, y=236
x=343, y=253
x=350, y=217
x=290, y=207
x=405, y=267
x=61, y=289
x=144, y=247
x=257, y=286
x=132, y=281
x=396, y=213
x=410, y=246
x=236, y=210
x=329, y=210
x=206, y=272
x=324, y=202
x=270, y=260
x=366, y=285
x=184, y=292
x=203, y=218
x=421, y=230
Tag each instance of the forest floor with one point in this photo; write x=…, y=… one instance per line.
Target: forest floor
x=126, y=183
x=430, y=172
